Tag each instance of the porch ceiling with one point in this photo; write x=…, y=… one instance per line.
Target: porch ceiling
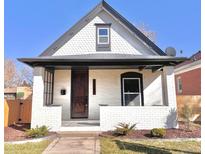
x=104, y=60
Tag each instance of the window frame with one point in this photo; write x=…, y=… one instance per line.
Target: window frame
x=98, y=35
x=124, y=93
x=179, y=85
x=48, y=86
x=103, y=46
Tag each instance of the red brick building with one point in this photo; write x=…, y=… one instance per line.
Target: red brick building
x=188, y=83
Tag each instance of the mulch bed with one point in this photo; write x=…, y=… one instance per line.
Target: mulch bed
x=17, y=132
x=170, y=133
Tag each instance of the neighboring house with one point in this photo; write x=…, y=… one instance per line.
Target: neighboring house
x=12, y=93
x=188, y=84
x=103, y=69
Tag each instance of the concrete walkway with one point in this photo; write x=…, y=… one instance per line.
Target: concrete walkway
x=75, y=143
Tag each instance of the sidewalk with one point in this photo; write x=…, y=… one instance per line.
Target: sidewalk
x=71, y=143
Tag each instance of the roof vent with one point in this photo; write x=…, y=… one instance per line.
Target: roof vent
x=170, y=51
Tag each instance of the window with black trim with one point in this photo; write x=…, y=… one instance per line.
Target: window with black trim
x=48, y=86
x=103, y=37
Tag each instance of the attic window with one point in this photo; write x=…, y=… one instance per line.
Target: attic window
x=102, y=37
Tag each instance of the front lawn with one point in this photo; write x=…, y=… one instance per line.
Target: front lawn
x=117, y=146
x=27, y=148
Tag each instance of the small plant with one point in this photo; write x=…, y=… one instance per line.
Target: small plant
x=124, y=129
x=158, y=132
x=187, y=114
x=37, y=132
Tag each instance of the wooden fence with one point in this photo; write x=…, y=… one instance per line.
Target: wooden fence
x=194, y=101
x=17, y=111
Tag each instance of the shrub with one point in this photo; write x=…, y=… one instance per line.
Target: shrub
x=124, y=129
x=37, y=132
x=158, y=132
x=187, y=114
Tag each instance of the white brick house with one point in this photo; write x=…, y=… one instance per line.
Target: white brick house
x=104, y=69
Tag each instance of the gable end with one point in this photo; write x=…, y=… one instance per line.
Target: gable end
x=53, y=48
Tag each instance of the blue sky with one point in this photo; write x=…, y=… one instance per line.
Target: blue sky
x=32, y=25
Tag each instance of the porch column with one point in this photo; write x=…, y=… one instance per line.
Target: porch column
x=169, y=86
x=38, y=94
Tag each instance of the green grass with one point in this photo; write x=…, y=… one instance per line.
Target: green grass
x=116, y=146
x=27, y=148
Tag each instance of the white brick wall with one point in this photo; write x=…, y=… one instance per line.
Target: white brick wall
x=43, y=115
x=62, y=80
x=122, y=41
x=108, y=88
x=146, y=117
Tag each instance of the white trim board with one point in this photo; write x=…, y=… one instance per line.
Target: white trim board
x=188, y=67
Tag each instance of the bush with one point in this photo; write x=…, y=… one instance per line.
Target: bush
x=158, y=132
x=187, y=114
x=37, y=132
x=124, y=129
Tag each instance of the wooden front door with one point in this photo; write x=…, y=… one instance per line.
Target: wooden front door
x=79, y=93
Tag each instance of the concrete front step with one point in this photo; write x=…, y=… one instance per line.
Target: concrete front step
x=88, y=128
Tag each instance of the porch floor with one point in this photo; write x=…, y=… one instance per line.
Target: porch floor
x=80, y=125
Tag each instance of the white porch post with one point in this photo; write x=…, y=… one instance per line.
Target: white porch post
x=170, y=96
x=169, y=86
x=38, y=94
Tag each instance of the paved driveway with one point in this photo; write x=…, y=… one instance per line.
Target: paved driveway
x=75, y=143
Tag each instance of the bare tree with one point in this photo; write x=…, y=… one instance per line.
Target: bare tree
x=26, y=74
x=14, y=76
x=148, y=33
x=9, y=73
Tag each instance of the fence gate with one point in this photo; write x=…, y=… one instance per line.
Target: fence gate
x=17, y=111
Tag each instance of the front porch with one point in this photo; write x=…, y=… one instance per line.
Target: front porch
x=106, y=102
x=139, y=90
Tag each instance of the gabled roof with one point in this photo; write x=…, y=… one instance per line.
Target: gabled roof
x=82, y=22
x=195, y=57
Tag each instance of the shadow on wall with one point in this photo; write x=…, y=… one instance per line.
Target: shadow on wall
x=171, y=121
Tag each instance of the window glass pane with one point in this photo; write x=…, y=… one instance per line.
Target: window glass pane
x=49, y=99
x=179, y=85
x=51, y=78
x=132, y=99
x=50, y=88
x=45, y=87
x=45, y=76
x=103, y=31
x=131, y=85
x=103, y=39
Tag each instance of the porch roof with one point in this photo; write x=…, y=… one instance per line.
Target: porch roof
x=103, y=59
